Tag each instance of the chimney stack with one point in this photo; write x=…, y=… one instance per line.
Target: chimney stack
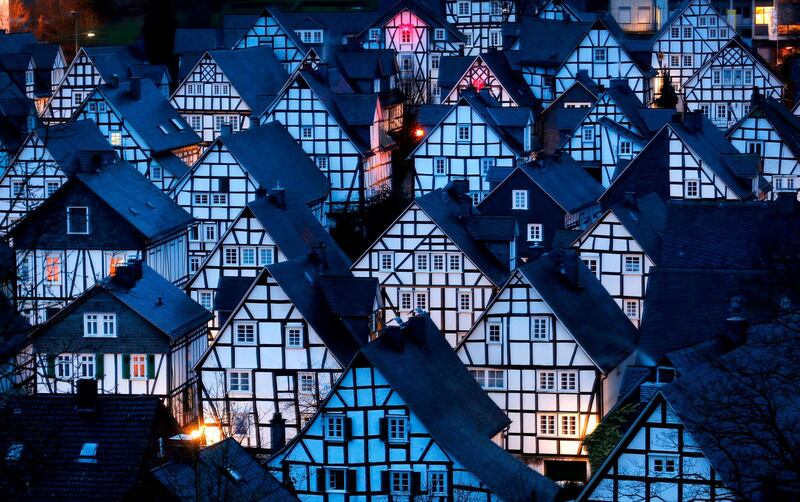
x=135, y=87
x=277, y=432
x=127, y=275
x=225, y=130
x=261, y=193
x=320, y=254
x=87, y=396
x=278, y=197
x=113, y=81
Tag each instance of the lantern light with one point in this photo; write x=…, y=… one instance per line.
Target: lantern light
x=418, y=132
x=478, y=83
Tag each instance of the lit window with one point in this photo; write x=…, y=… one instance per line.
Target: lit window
x=52, y=269
x=334, y=427
x=239, y=381
x=569, y=425
x=78, y=220
x=64, y=367
x=495, y=379
x=692, y=189
x=632, y=264
x=266, y=256
x=335, y=480
x=535, y=232
x=547, y=425
x=88, y=454
x=138, y=367
x=206, y=299
x=307, y=384
x=519, y=199
x=547, y=380
x=540, y=328
x=454, y=263
x=245, y=332
x=115, y=138
x=405, y=35
x=437, y=483
x=464, y=301
x=632, y=309
x=568, y=380
x=764, y=15
x=663, y=465
x=87, y=365
x=294, y=336
x=386, y=261
x=397, y=429
x=495, y=330
x=463, y=133
x=400, y=482
x=600, y=54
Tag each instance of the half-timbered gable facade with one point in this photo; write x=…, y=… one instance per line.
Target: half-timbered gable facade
x=342, y=133
x=134, y=333
x=555, y=374
x=35, y=67
x=228, y=87
x=284, y=346
x=468, y=141
x=20, y=116
x=386, y=430
x=481, y=22
x=688, y=159
x=91, y=67
x=420, y=38
x=558, y=193
x=603, y=55
x=561, y=10
x=491, y=71
x=232, y=169
x=367, y=71
x=694, y=32
x=622, y=246
x=773, y=132
x=269, y=31
x=95, y=222
x=722, y=88
x=272, y=228
x=47, y=157
x=443, y=256
x=144, y=129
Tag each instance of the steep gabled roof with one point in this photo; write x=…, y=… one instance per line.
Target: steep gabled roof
x=734, y=43
x=112, y=60
x=567, y=183
x=255, y=73
x=545, y=42
x=785, y=123
x=584, y=306
x=68, y=143
x=432, y=17
x=645, y=219
x=14, y=328
x=15, y=109
x=453, y=68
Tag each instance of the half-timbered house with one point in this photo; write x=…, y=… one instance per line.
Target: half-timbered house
x=272, y=228
x=468, y=141
x=91, y=67
x=491, y=71
x=343, y=133
x=721, y=89
x=639, y=16
x=134, y=333
x=689, y=158
x=773, y=132
x=622, y=246
x=420, y=37
x=284, y=345
x=36, y=67
x=552, y=371
x=19, y=118
x=442, y=256
x=481, y=22
x=563, y=10
x=232, y=169
x=99, y=219
x=144, y=129
x=387, y=430
x=269, y=30
x=694, y=32
x=228, y=87
x=47, y=157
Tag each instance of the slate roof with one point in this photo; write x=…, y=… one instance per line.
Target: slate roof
x=336, y=25
x=255, y=73
x=567, y=183
x=231, y=291
x=365, y=64
x=544, y=42
x=584, y=306
x=645, y=219
x=564, y=120
x=453, y=68
x=149, y=115
x=53, y=432
x=266, y=151
x=14, y=328
x=455, y=216
x=112, y=60
x=783, y=121
x=427, y=12
x=734, y=43
x=68, y=143
x=209, y=478
x=15, y=108
x=17, y=50
x=422, y=368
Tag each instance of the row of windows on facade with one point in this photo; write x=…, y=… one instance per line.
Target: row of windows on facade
x=688, y=32
x=196, y=122
x=70, y=366
x=722, y=111
x=400, y=482
x=624, y=148
x=52, y=265
x=548, y=380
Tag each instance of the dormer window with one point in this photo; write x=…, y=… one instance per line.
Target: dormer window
x=178, y=124
x=77, y=220
x=99, y=325
x=88, y=453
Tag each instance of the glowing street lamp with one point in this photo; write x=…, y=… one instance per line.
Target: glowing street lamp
x=418, y=133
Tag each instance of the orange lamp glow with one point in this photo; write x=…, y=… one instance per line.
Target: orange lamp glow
x=478, y=83
x=418, y=132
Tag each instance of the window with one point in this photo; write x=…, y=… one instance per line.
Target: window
x=495, y=332
x=663, y=465
x=307, y=383
x=784, y=183
x=487, y=164
x=632, y=309
x=600, y=54
x=221, y=89
x=722, y=111
x=454, y=263
x=334, y=427
x=421, y=300
x=374, y=34
x=294, y=336
x=245, y=332
x=569, y=425
x=712, y=21
x=335, y=480
x=519, y=199
x=421, y=262
x=266, y=256
x=712, y=33
x=87, y=364
x=206, y=300
x=540, y=328
x=497, y=9
x=306, y=132
x=675, y=32
x=196, y=121
x=210, y=232
x=748, y=78
x=64, y=367
x=440, y=166
x=568, y=380
x=624, y=15
x=437, y=263
x=547, y=425
x=405, y=301
x=231, y=256
x=495, y=379
x=14, y=452
x=405, y=36
x=138, y=367
x=322, y=162
x=435, y=60
x=716, y=77
x=463, y=133
x=688, y=60
x=78, y=220
x=115, y=138
x=51, y=186
x=587, y=134
x=535, y=232
x=156, y=173
x=632, y=264
x=764, y=15
x=239, y=381
x=547, y=380
x=100, y=325
x=201, y=199
x=77, y=99
x=386, y=261
x=52, y=269
x=400, y=482
x=397, y=429
x=464, y=8
x=194, y=264
x=754, y=147
x=88, y=454
x=437, y=483
x=439, y=34
x=495, y=38
x=705, y=110
x=248, y=257
x=723, y=33
x=625, y=148
x=692, y=189
x=465, y=301
x=479, y=376
x=687, y=32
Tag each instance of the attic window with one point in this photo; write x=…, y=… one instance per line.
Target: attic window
x=14, y=452
x=78, y=220
x=88, y=453
x=178, y=124
x=233, y=474
x=163, y=129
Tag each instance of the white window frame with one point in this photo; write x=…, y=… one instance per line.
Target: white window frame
x=600, y=55
x=546, y=381
x=439, y=34
x=400, y=482
x=631, y=313
x=71, y=231
x=564, y=376
x=494, y=326
x=535, y=232
x=335, y=433
x=565, y=419
x=328, y=487
x=138, y=361
x=399, y=434
x=455, y=262
x=492, y=379
x=437, y=487
x=463, y=133
x=87, y=366
x=548, y=427
x=440, y=162
x=386, y=261
x=626, y=258
x=290, y=331
x=536, y=322
x=100, y=321
x=240, y=332
x=519, y=199
x=422, y=262
x=653, y=460
x=243, y=382
x=64, y=367
x=625, y=148
x=464, y=301
x=691, y=188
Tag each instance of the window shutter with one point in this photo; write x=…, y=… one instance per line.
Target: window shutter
x=224, y=185
x=51, y=366
x=383, y=430
x=385, y=488
x=351, y=481
x=126, y=366
x=99, y=370
x=416, y=483
x=320, y=480
x=151, y=366
x=348, y=428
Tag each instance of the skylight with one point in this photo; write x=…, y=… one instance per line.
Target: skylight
x=178, y=124
x=14, y=452
x=88, y=453
x=163, y=129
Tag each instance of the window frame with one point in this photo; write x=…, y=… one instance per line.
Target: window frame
x=632, y=257
x=548, y=331
x=519, y=204
x=100, y=324
x=288, y=329
x=535, y=232
x=329, y=418
x=252, y=325
x=403, y=438
x=652, y=459
x=243, y=386
x=382, y=255
x=138, y=360
x=71, y=231
x=490, y=339
x=403, y=477
x=688, y=192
